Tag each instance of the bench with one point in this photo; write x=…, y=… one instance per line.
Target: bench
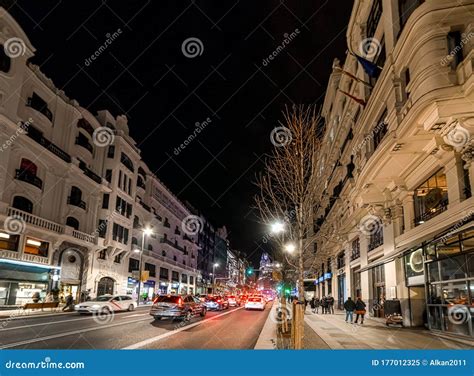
x=41, y=305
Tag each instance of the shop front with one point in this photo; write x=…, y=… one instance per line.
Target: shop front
x=147, y=292
x=376, y=304
x=23, y=282
x=132, y=287
x=356, y=286
x=341, y=289
x=449, y=270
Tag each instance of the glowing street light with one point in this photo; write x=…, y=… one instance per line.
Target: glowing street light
x=278, y=227
x=290, y=247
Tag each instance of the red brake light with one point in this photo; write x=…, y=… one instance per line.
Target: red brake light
x=155, y=300
x=218, y=300
x=180, y=302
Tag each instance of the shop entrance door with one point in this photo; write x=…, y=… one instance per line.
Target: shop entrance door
x=341, y=289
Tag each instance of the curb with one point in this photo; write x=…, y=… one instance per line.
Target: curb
x=268, y=336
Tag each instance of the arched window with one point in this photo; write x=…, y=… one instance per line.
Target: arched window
x=5, y=61
x=163, y=253
x=72, y=222
x=22, y=203
x=29, y=167
x=76, y=194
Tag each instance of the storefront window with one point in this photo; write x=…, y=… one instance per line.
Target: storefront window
x=455, y=293
x=449, y=248
x=36, y=247
x=453, y=268
x=9, y=242
x=433, y=272
x=431, y=198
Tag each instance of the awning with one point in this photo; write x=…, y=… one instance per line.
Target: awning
x=14, y=270
x=383, y=260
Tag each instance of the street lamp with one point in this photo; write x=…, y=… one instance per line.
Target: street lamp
x=278, y=227
x=214, y=266
x=147, y=231
x=290, y=247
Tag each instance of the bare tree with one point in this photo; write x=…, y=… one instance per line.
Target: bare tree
x=289, y=187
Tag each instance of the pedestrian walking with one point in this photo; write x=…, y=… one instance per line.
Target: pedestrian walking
x=317, y=303
x=311, y=304
x=349, y=306
x=360, y=310
x=330, y=301
x=324, y=305
x=69, y=303
x=305, y=303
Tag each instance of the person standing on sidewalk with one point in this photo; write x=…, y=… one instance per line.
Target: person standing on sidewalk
x=317, y=303
x=324, y=305
x=359, y=310
x=349, y=306
x=330, y=300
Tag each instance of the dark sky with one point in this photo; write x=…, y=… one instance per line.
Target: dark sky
x=145, y=74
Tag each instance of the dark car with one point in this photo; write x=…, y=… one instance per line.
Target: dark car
x=176, y=306
x=217, y=303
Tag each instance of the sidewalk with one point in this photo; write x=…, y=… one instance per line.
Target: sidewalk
x=373, y=334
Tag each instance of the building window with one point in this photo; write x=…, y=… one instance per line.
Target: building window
x=120, y=233
x=27, y=173
x=341, y=260
x=380, y=130
x=111, y=151
x=184, y=278
x=83, y=141
x=72, y=222
x=191, y=280
x=175, y=258
x=9, y=242
x=431, y=198
x=376, y=236
x=123, y=207
x=405, y=9
x=5, y=61
x=175, y=276
x=23, y=204
x=133, y=265
x=374, y=18
x=37, y=103
x=164, y=273
x=102, y=254
x=84, y=124
x=36, y=247
x=163, y=253
x=355, y=249
x=151, y=269
x=108, y=175
x=127, y=162
x=75, y=198
x=118, y=258
x=102, y=229
x=105, y=201
x=455, y=51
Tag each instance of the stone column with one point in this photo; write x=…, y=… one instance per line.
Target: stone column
x=455, y=180
x=408, y=211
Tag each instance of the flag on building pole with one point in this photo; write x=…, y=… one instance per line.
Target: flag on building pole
x=358, y=100
x=373, y=70
x=352, y=76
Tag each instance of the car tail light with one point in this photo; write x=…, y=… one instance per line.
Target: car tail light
x=218, y=300
x=155, y=300
x=180, y=302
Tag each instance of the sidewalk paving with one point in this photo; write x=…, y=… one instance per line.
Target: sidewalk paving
x=373, y=334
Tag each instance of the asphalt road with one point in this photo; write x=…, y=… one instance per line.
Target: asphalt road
x=234, y=328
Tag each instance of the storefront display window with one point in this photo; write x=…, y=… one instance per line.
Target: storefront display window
x=431, y=198
x=453, y=268
x=414, y=268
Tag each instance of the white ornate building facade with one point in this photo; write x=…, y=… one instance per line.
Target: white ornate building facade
x=396, y=209
x=75, y=195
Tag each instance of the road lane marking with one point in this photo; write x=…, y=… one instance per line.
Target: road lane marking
x=170, y=333
x=59, y=335
x=138, y=314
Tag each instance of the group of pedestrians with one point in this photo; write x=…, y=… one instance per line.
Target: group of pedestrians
x=326, y=303
x=358, y=307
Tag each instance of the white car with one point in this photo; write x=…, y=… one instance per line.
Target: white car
x=107, y=304
x=255, y=302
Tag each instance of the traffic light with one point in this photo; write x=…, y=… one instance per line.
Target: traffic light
x=249, y=271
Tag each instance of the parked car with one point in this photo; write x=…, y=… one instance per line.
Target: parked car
x=243, y=299
x=216, y=303
x=255, y=302
x=176, y=306
x=233, y=301
x=106, y=304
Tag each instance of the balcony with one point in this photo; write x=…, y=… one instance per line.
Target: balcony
x=29, y=178
x=426, y=216
x=38, y=104
x=51, y=226
x=36, y=135
x=76, y=202
x=85, y=144
x=173, y=244
x=89, y=173
x=14, y=255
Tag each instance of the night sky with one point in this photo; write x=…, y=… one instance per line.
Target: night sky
x=144, y=74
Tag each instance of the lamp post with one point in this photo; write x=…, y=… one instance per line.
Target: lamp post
x=146, y=231
x=214, y=266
